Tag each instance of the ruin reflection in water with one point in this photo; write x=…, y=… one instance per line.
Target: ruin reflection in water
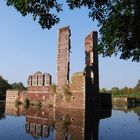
x=65, y=124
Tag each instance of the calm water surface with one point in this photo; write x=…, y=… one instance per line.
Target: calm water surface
x=44, y=123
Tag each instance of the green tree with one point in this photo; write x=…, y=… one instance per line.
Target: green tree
x=18, y=86
x=103, y=90
x=119, y=21
x=129, y=91
x=120, y=30
x=4, y=85
x=115, y=91
x=124, y=90
x=137, y=87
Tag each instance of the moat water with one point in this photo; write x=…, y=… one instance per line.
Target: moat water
x=45, y=123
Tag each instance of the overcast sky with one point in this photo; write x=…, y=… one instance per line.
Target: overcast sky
x=26, y=48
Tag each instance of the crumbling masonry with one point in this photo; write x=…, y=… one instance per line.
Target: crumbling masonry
x=84, y=86
x=83, y=89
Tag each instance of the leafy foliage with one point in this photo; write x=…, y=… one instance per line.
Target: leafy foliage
x=119, y=21
x=2, y=111
x=26, y=103
x=4, y=85
x=18, y=86
x=39, y=9
x=66, y=90
x=53, y=88
x=120, y=30
x=67, y=93
x=137, y=87
x=97, y=7
x=127, y=92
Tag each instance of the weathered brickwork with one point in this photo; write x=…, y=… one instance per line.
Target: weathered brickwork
x=39, y=79
x=13, y=95
x=79, y=93
x=84, y=88
x=91, y=59
x=82, y=91
x=92, y=96
x=63, y=57
x=39, y=89
x=76, y=99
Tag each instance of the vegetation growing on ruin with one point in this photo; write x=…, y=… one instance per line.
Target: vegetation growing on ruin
x=17, y=102
x=67, y=93
x=26, y=103
x=66, y=90
x=53, y=88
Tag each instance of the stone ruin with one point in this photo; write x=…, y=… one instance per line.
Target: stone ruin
x=84, y=86
x=79, y=93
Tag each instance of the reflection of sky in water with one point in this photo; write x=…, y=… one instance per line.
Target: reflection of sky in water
x=13, y=128
x=120, y=126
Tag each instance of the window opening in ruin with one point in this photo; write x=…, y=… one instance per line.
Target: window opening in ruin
x=37, y=79
x=43, y=80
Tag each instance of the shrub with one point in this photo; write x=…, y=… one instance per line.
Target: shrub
x=53, y=88
x=16, y=102
x=26, y=103
x=66, y=90
x=67, y=93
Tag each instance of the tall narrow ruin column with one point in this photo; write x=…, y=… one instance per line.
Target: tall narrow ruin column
x=91, y=71
x=91, y=60
x=63, y=56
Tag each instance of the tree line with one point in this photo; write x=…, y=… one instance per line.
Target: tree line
x=124, y=92
x=4, y=85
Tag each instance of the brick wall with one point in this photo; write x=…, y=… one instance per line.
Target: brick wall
x=92, y=96
x=39, y=89
x=63, y=58
x=12, y=95
x=43, y=98
x=84, y=88
x=77, y=98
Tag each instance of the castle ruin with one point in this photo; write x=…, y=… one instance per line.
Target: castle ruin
x=81, y=91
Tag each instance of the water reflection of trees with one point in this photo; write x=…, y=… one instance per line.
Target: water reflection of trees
x=137, y=111
x=126, y=108
x=2, y=110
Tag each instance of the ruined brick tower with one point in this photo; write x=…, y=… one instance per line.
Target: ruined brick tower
x=91, y=71
x=63, y=57
x=91, y=59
